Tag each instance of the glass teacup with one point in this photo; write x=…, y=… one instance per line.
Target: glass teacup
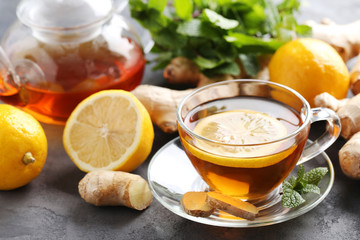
x=244, y=137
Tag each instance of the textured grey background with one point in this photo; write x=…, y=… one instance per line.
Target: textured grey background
x=50, y=207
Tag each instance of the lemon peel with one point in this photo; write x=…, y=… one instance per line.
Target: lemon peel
x=310, y=67
x=23, y=149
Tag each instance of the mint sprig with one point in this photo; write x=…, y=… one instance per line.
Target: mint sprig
x=303, y=183
x=218, y=34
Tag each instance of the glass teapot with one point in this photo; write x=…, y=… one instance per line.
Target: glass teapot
x=59, y=52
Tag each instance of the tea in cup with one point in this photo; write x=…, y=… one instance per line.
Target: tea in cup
x=244, y=137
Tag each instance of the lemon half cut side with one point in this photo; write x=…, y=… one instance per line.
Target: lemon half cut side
x=240, y=127
x=109, y=130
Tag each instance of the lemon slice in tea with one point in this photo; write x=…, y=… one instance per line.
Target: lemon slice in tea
x=109, y=130
x=240, y=127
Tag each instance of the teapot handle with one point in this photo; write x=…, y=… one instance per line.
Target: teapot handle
x=15, y=76
x=10, y=82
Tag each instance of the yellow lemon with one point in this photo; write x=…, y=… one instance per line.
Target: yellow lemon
x=109, y=130
x=310, y=67
x=239, y=127
x=23, y=148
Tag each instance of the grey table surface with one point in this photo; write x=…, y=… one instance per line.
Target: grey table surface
x=51, y=208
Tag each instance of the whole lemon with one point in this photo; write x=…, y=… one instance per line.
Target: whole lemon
x=310, y=67
x=23, y=149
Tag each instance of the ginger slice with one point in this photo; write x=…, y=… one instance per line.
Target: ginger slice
x=232, y=205
x=195, y=204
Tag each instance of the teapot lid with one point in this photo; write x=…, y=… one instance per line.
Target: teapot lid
x=63, y=14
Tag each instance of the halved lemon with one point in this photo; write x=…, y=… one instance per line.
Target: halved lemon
x=240, y=127
x=109, y=130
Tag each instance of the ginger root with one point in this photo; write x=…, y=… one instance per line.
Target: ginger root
x=328, y=101
x=114, y=188
x=347, y=109
x=182, y=70
x=345, y=38
x=195, y=204
x=203, y=204
x=349, y=113
x=232, y=205
x=161, y=103
x=349, y=157
x=355, y=77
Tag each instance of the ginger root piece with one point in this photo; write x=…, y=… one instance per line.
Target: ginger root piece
x=115, y=188
x=349, y=157
x=350, y=117
x=345, y=38
x=232, y=205
x=349, y=113
x=355, y=77
x=182, y=70
x=161, y=104
x=195, y=204
x=328, y=101
x=347, y=109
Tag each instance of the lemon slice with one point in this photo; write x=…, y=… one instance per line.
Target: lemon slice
x=109, y=130
x=240, y=127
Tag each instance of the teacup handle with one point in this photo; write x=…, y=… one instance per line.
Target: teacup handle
x=327, y=138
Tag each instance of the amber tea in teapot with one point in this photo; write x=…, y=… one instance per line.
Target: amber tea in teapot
x=67, y=58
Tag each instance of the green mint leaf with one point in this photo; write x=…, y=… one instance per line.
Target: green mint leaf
x=225, y=51
x=304, y=30
x=157, y=4
x=273, y=17
x=292, y=181
x=315, y=175
x=252, y=44
x=197, y=28
x=289, y=5
x=300, y=184
x=300, y=173
x=287, y=184
x=254, y=18
x=164, y=57
x=184, y=9
x=291, y=198
x=149, y=18
x=205, y=63
x=219, y=20
x=250, y=64
x=231, y=68
x=311, y=188
x=168, y=39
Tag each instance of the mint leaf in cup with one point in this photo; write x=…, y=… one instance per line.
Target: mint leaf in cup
x=303, y=183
